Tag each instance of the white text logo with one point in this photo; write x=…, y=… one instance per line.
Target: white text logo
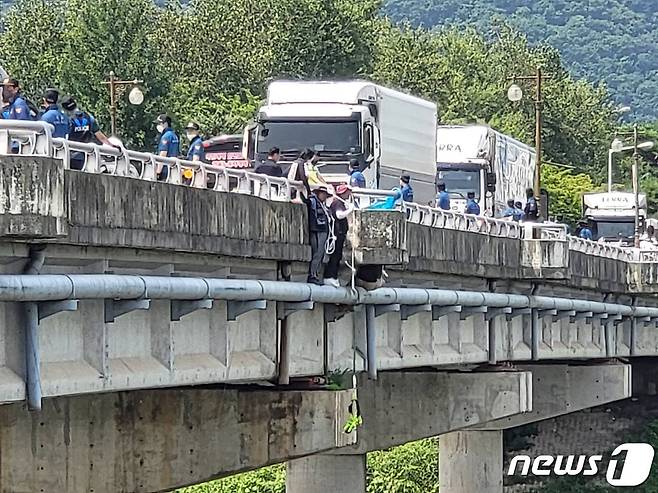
x=633, y=459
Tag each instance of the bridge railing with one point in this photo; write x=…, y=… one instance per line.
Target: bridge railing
x=35, y=138
x=607, y=250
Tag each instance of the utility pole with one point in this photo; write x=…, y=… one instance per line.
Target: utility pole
x=516, y=95
x=636, y=188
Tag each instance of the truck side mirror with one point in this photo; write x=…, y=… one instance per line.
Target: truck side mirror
x=491, y=182
x=249, y=142
x=370, y=143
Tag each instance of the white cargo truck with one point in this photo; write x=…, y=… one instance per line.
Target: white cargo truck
x=479, y=159
x=611, y=215
x=386, y=131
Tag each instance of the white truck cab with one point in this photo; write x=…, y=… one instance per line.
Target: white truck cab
x=387, y=132
x=611, y=215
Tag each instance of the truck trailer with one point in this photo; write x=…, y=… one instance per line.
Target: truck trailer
x=388, y=132
x=479, y=159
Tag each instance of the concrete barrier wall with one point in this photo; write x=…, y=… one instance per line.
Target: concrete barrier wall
x=109, y=210
x=598, y=273
x=33, y=200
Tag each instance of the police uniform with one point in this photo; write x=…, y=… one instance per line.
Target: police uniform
x=196, y=149
x=18, y=109
x=168, y=142
x=57, y=119
x=83, y=127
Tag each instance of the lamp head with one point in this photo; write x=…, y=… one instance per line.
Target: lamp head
x=514, y=93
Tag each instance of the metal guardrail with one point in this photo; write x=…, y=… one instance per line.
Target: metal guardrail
x=607, y=250
x=28, y=138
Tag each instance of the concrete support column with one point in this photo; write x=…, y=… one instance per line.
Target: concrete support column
x=471, y=461
x=327, y=474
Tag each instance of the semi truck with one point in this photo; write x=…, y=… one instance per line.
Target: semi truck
x=387, y=132
x=479, y=159
x=611, y=215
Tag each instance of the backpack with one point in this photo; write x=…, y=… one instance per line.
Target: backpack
x=34, y=111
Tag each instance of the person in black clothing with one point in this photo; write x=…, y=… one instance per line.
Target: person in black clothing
x=340, y=208
x=270, y=166
x=531, y=208
x=318, y=226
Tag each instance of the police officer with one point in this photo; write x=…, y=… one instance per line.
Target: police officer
x=168, y=144
x=83, y=126
x=195, y=152
x=54, y=115
x=18, y=108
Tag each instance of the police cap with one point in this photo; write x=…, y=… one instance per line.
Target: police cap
x=193, y=126
x=51, y=96
x=163, y=118
x=68, y=103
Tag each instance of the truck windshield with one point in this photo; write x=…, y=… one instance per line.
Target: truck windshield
x=459, y=182
x=613, y=230
x=330, y=137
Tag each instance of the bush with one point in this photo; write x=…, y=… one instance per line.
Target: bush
x=410, y=468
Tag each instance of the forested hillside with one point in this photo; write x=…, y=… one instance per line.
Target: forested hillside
x=611, y=40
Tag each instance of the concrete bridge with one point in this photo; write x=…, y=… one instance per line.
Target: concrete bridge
x=155, y=335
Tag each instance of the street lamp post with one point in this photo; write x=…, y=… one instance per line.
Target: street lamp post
x=515, y=94
x=636, y=188
x=135, y=97
x=618, y=146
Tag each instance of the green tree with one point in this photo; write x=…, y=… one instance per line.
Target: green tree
x=565, y=190
x=466, y=74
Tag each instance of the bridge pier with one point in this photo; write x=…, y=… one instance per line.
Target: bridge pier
x=471, y=461
x=324, y=473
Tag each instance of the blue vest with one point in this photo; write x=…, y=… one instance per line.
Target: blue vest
x=82, y=127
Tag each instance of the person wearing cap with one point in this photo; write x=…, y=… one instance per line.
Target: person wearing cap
x=195, y=152
x=54, y=115
x=19, y=108
x=472, y=207
x=443, y=197
x=271, y=165
x=584, y=231
x=318, y=225
x=83, y=126
x=405, y=188
x=357, y=179
x=341, y=207
x=168, y=144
